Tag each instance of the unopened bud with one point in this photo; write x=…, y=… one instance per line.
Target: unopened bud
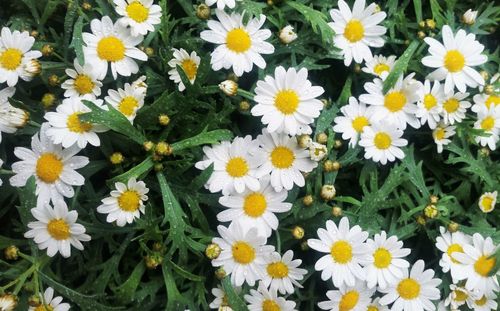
x=337, y=211
x=48, y=100
x=489, y=89
x=287, y=35
x=47, y=50
x=430, y=23
x=203, y=11
x=317, y=152
x=304, y=246
x=322, y=138
x=484, y=152
x=116, y=158
x=212, y=251
x=163, y=149
x=308, y=200
x=433, y=199
x=220, y=273
x=421, y=220
x=453, y=227
x=337, y=144
x=11, y=252
x=298, y=232
x=150, y=52
x=304, y=140
x=357, y=68
x=229, y=87
x=244, y=105
x=153, y=261
x=331, y=166
x=484, y=74
x=86, y=6
x=163, y=119
x=53, y=80
x=148, y=145
x=8, y=302
x=421, y=35
x=469, y=17
x=328, y=192
x=431, y=211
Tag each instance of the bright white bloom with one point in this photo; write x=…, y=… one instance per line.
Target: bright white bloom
x=442, y=134
x=188, y=63
x=485, y=101
x=51, y=303
x=317, y=151
x=351, y=298
x=454, y=107
x=477, y=265
x=16, y=56
x=454, y=59
x=376, y=306
x=382, y=142
x=56, y=230
x=140, y=15
x=345, y=248
x=282, y=273
x=54, y=168
x=11, y=118
x=263, y=299
x=255, y=208
x=380, y=66
x=287, y=102
x=384, y=264
x=221, y=4
x=243, y=253
x=287, y=35
x=357, y=30
x=126, y=203
x=469, y=17
x=239, y=45
x=234, y=166
x=220, y=302
x=414, y=291
x=458, y=297
x=451, y=244
x=487, y=201
x=398, y=104
x=356, y=117
x=83, y=82
x=488, y=120
x=127, y=100
x=112, y=44
x=430, y=104
x=284, y=160
x=485, y=303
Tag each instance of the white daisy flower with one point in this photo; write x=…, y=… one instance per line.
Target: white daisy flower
x=220, y=302
x=141, y=85
x=255, y=208
x=384, y=264
x=66, y=127
x=414, y=291
x=56, y=230
x=11, y=118
x=478, y=264
x=235, y=166
x=16, y=56
x=488, y=120
x=54, y=168
x=282, y=273
x=346, y=248
x=454, y=107
x=113, y=44
x=430, y=104
x=221, y=4
x=485, y=101
x=454, y=59
x=442, y=134
x=51, y=303
x=458, y=296
x=287, y=102
x=140, y=15
x=83, y=82
x=243, y=253
x=376, y=306
x=398, y=104
x=451, y=244
x=355, y=118
x=357, y=30
x=127, y=100
x=382, y=142
x=126, y=203
x=380, y=66
x=485, y=303
x=348, y=298
x=267, y=300
x=284, y=160
x=239, y=45
x=487, y=201
x=188, y=62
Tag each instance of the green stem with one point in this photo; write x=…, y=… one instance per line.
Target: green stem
x=22, y=278
x=245, y=94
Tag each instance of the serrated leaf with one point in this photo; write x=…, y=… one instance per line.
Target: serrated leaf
x=317, y=20
x=400, y=66
x=233, y=298
x=137, y=171
x=126, y=291
x=77, y=41
x=203, y=138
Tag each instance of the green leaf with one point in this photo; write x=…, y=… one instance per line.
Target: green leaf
x=418, y=9
x=317, y=20
x=325, y=119
x=203, y=138
x=28, y=200
x=186, y=274
x=69, y=19
x=50, y=7
x=77, y=41
x=346, y=92
x=126, y=291
x=136, y=171
x=235, y=301
x=400, y=66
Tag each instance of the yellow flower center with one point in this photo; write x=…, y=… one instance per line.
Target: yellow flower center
x=341, y=252
x=487, y=203
x=277, y=270
x=359, y=123
x=354, y=31
x=128, y=105
x=439, y=133
x=282, y=157
x=243, y=252
x=83, y=84
x=452, y=249
x=454, y=61
x=111, y=49
x=408, y=289
x=270, y=305
x=488, y=123
x=287, y=101
x=372, y=308
x=382, y=140
x=379, y=69
x=11, y=58
x=190, y=68
x=460, y=295
x=137, y=11
x=49, y=167
x=238, y=40
x=58, y=229
x=129, y=201
x=451, y=105
x=74, y=125
x=349, y=300
x=484, y=265
x=492, y=99
x=429, y=101
x=382, y=258
x=481, y=302
x=44, y=308
x=255, y=204
x=395, y=101
x=237, y=167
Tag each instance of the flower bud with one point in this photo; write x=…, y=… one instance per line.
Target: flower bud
x=148, y=145
x=116, y=158
x=421, y=35
x=158, y=167
x=308, y=200
x=86, y=6
x=47, y=50
x=357, y=68
x=484, y=74
x=421, y=24
x=331, y=166
x=163, y=149
x=328, y=192
x=287, y=35
x=430, y=23
x=317, y=151
x=337, y=211
x=304, y=246
x=421, y=220
x=484, y=152
x=163, y=119
x=34, y=301
x=244, y=105
x=212, y=251
x=298, y=232
x=220, y=273
x=153, y=261
x=11, y=252
x=150, y=52
x=304, y=141
x=203, y=11
x=453, y=227
x=337, y=144
x=322, y=138
x=48, y=100
x=431, y=211
x=433, y=199
x=33, y=68
x=229, y=87
x=8, y=302
x=489, y=89
x=54, y=80
x=469, y=17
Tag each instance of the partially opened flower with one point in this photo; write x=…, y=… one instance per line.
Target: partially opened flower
x=140, y=15
x=380, y=66
x=487, y=201
x=11, y=118
x=51, y=303
x=189, y=64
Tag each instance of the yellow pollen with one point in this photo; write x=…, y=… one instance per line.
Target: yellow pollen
x=128, y=105
x=372, y=308
x=74, y=125
x=137, y=11
x=270, y=305
x=482, y=301
x=382, y=258
x=484, y=265
x=111, y=49
x=359, y=123
x=44, y=308
x=429, y=101
x=282, y=157
x=237, y=167
x=382, y=140
x=83, y=84
x=287, y=101
x=395, y=101
x=451, y=105
x=58, y=229
x=379, y=69
x=190, y=68
x=238, y=40
x=460, y=295
x=255, y=204
x=11, y=58
x=487, y=203
x=492, y=99
x=454, y=61
x=129, y=201
x=408, y=289
x=243, y=253
x=341, y=252
x=277, y=270
x=439, y=133
x=354, y=31
x=49, y=167
x=488, y=123
x=452, y=249
x=349, y=301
